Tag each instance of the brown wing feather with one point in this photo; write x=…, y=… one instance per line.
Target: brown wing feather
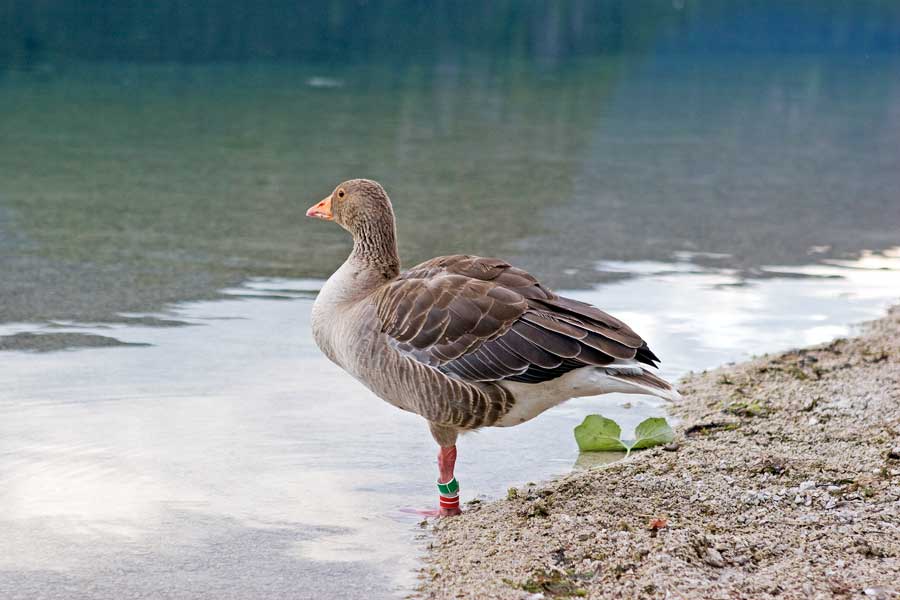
x=481, y=319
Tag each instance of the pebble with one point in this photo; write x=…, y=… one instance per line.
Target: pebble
x=713, y=558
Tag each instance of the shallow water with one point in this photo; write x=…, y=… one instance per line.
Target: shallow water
x=154, y=172
x=230, y=459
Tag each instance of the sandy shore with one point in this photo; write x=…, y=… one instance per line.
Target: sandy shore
x=784, y=481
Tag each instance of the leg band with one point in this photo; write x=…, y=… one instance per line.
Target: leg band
x=451, y=488
x=449, y=502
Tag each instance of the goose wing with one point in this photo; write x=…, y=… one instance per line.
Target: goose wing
x=481, y=319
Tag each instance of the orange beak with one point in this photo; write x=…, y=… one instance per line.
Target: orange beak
x=322, y=210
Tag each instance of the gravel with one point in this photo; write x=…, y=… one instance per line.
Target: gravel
x=784, y=482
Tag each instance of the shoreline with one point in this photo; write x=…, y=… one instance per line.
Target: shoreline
x=783, y=480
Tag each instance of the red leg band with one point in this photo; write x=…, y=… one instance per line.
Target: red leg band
x=449, y=502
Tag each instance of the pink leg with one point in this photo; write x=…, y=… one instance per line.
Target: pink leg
x=446, y=461
x=448, y=488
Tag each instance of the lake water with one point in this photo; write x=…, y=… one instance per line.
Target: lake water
x=230, y=459
x=723, y=180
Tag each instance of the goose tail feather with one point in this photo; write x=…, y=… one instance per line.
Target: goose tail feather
x=645, y=382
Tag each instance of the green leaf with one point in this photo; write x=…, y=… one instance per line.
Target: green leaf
x=598, y=434
x=652, y=432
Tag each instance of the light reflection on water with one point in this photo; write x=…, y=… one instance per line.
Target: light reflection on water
x=232, y=450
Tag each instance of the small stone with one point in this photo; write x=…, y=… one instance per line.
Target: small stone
x=713, y=558
x=806, y=485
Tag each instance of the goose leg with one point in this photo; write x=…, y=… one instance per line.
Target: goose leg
x=447, y=484
x=448, y=487
x=445, y=436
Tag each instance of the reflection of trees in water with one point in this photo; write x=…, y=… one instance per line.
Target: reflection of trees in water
x=621, y=160
x=34, y=31
x=197, y=177
x=761, y=159
x=205, y=171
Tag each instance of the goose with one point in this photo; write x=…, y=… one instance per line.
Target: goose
x=463, y=341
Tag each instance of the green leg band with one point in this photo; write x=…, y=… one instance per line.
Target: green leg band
x=449, y=488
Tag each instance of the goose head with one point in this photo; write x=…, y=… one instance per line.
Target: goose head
x=355, y=205
x=362, y=207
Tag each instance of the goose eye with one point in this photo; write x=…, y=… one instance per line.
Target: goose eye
x=340, y=193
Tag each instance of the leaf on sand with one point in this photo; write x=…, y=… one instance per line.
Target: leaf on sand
x=654, y=431
x=599, y=434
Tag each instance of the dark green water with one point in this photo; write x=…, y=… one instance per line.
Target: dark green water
x=557, y=137
x=129, y=186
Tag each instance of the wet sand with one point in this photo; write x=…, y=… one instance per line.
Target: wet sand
x=783, y=481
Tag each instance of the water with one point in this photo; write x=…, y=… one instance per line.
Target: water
x=129, y=186
x=230, y=459
x=167, y=427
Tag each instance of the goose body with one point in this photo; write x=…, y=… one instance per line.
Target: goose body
x=464, y=341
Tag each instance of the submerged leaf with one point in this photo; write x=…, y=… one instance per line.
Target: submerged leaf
x=598, y=434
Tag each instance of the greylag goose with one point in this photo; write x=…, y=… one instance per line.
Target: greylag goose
x=463, y=341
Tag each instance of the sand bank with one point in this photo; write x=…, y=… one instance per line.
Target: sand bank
x=784, y=481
